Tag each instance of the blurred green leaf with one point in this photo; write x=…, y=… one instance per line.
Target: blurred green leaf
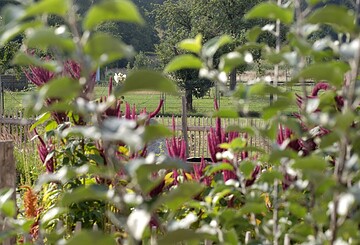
x=337, y=16
x=82, y=193
x=253, y=207
x=212, y=46
x=271, y=11
x=230, y=61
x=91, y=237
x=253, y=34
x=24, y=59
x=310, y=163
x=344, y=120
x=182, y=235
x=52, y=214
x=118, y=10
x=13, y=31
x=270, y=176
x=11, y=13
x=226, y=113
x=144, y=170
x=214, y=168
x=40, y=120
x=298, y=210
x=7, y=203
x=332, y=72
x=60, y=88
x=177, y=197
x=241, y=129
x=153, y=132
x=279, y=106
x=57, y=7
x=141, y=80
x=192, y=45
x=104, y=49
x=185, y=61
x=45, y=38
x=247, y=167
x=238, y=144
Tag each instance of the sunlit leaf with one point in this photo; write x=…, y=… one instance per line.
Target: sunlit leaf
x=141, y=80
x=192, y=45
x=271, y=11
x=185, y=61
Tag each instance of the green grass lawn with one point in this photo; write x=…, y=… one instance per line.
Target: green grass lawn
x=13, y=102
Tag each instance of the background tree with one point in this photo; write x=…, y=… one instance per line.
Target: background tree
x=178, y=20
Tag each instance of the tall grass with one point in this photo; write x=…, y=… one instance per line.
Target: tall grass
x=28, y=163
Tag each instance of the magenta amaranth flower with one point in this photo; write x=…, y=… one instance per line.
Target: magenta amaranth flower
x=73, y=69
x=321, y=86
x=44, y=150
x=199, y=173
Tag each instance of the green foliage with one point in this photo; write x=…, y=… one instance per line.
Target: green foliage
x=304, y=190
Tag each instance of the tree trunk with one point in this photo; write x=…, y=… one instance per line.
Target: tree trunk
x=189, y=100
x=233, y=80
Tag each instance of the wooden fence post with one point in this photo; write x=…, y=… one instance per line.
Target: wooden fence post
x=184, y=124
x=7, y=176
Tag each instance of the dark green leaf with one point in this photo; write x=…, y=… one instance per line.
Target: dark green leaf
x=141, y=80
x=118, y=10
x=177, y=197
x=337, y=16
x=91, y=237
x=185, y=61
x=271, y=11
